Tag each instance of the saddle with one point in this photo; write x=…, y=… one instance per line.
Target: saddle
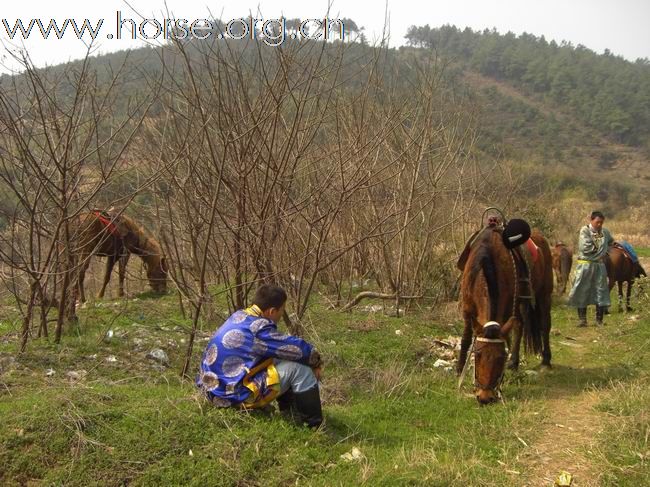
x=525, y=255
x=627, y=250
x=110, y=221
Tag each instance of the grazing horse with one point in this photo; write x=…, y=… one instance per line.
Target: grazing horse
x=497, y=298
x=562, y=262
x=115, y=237
x=620, y=269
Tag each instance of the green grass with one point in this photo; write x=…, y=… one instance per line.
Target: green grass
x=643, y=251
x=132, y=421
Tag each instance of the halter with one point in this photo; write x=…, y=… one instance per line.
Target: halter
x=494, y=385
x=490, y=340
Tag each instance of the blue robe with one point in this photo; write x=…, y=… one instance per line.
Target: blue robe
x=237, y=364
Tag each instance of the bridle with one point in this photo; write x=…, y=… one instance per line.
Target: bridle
x=495, y=384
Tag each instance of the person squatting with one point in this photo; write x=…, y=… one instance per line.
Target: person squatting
x=248, y=363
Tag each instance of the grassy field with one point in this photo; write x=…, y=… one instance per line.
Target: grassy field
x=643, y=251
x=108, y=415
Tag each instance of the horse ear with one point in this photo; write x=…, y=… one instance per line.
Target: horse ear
x=462, y=259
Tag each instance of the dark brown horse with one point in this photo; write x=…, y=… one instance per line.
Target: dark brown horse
x=496, y=299
x=115, y=237
x=562, y=262
x=620, y=269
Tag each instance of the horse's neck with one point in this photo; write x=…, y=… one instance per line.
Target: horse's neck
x=149, y=250
x=146, y=247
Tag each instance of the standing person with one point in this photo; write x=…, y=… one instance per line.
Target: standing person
x=590, y=279
x=248, y=363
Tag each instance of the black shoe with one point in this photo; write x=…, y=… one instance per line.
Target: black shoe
x=600, y=311
x=582, y=317
x=307, y=407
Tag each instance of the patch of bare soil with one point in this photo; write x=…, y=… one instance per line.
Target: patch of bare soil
x=567, y=440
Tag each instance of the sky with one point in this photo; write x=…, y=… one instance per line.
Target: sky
x=620, y=26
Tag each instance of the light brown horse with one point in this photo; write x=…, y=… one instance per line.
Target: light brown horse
x=620, y=269
x=496, y=300
x=562, y=262
x=115, y=237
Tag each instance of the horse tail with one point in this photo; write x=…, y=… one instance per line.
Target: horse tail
x=532, y=317
x=531, y=331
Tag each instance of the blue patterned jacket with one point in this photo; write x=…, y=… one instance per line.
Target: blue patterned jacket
x=239, y=346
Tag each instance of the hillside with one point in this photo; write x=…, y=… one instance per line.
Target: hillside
x=559, y=106
x=604, y=92
x=562, y=109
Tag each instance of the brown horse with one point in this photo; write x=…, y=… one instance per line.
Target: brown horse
x=562, y=262
x=115, y=237
x=620, y=269
x=496, y=298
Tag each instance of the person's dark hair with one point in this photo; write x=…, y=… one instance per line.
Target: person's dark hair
x=597, y=214
x=269, y=296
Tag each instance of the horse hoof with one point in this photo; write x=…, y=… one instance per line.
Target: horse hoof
x=543, y=367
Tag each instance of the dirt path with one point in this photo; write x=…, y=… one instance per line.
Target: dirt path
x=566, y=443
x=567, y=440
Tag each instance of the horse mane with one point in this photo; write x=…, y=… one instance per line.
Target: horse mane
x=483, y=261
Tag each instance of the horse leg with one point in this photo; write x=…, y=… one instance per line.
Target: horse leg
x=620, y=296
x=544, y=314
x=123, y=261
x=84, y=261
x=110, y=262
x=465, y=342
x=627, y=297
x=513, y=363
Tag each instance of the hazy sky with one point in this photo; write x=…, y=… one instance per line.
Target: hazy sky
x=622, y=25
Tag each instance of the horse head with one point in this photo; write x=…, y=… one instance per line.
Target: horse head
x=157, y=274
x=490, y=361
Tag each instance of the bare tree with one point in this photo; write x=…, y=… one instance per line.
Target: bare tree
x=62, y=144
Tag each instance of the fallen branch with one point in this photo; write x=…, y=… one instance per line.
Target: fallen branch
x=375, y=295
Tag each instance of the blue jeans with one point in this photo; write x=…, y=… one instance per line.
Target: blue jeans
x=294, y=376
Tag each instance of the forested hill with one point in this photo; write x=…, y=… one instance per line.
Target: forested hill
x=548, y=104
x=605, y=92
